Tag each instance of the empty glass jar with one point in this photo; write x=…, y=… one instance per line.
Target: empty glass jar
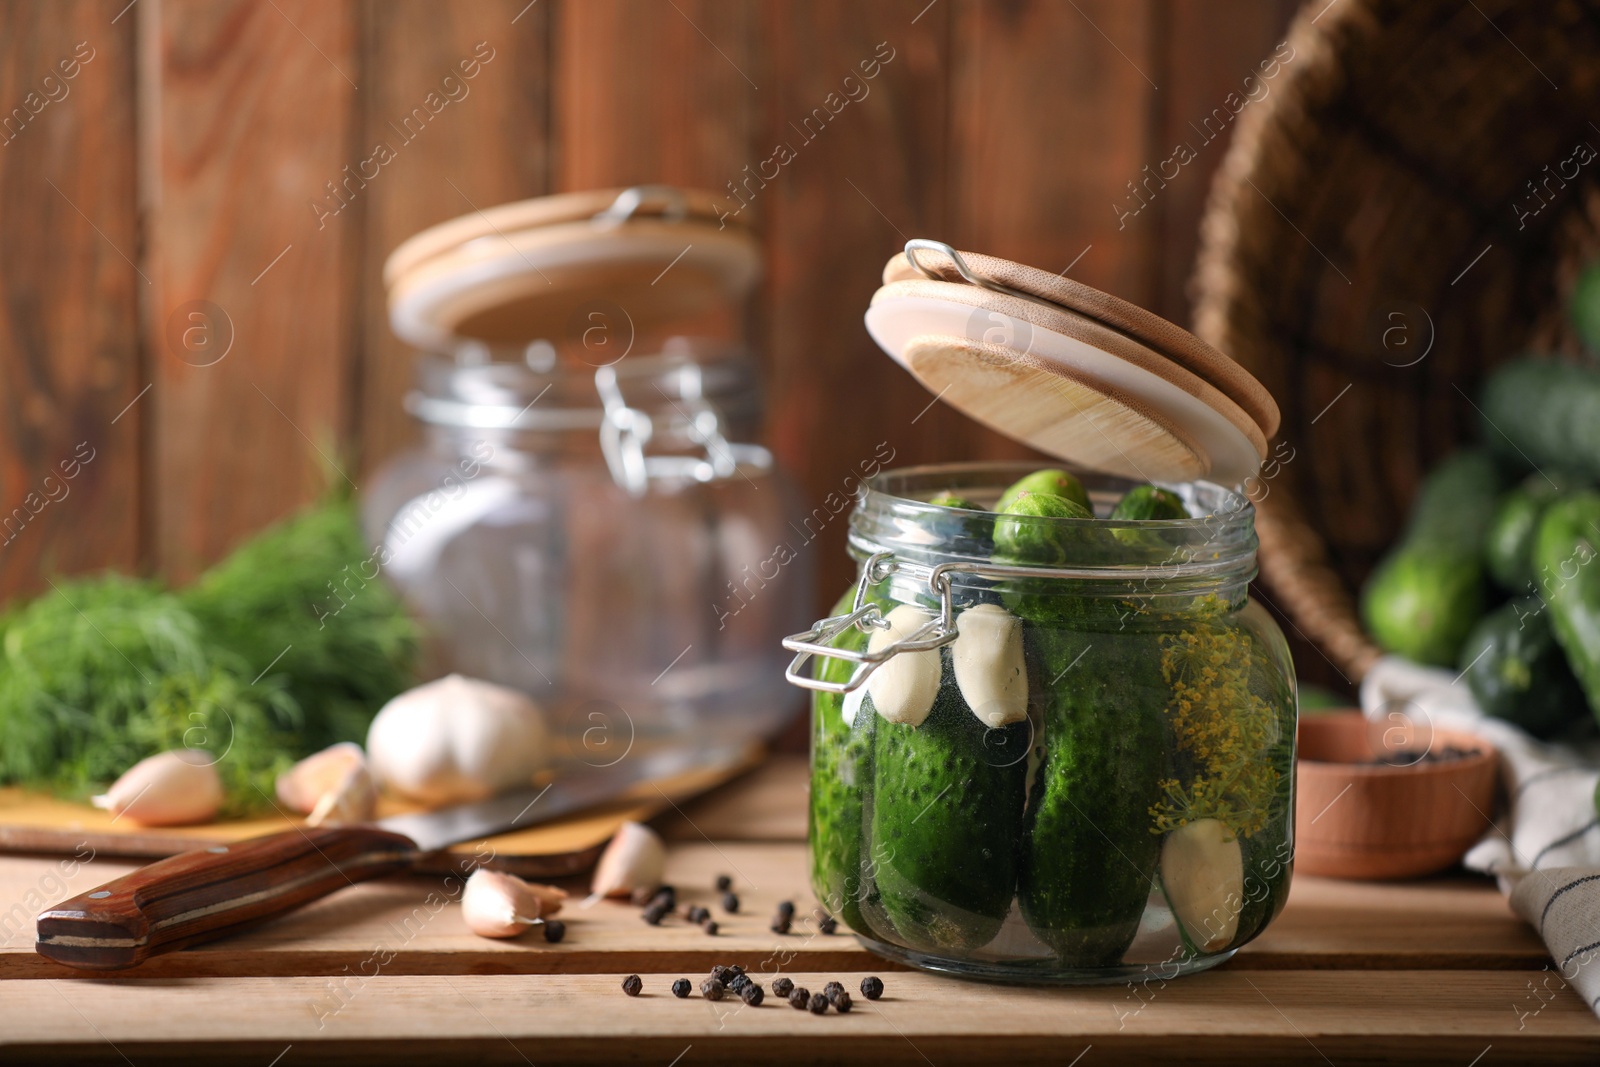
x=604, y=539
x=1049, y=749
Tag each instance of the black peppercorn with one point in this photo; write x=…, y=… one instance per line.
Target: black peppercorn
x=696, y=914
x=786, y=907
x=680, y=988
x=654, y=914
x=711, y=989
x=782, y=986
x=818, y=1004
x=711, y=928
x=554, y=930
x=841, y=1003
x=730, y=903
x=753, y=994
x=664, y=899
x=738, y=982
x=832, y=991
x=872, y=987
x=734, y=968
x=799, y=997
x=632, y=984
x=719, y=972
x=827, y=924
x=724, y=883
x=780, y=923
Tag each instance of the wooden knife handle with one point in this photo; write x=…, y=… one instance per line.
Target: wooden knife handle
x=198, y=895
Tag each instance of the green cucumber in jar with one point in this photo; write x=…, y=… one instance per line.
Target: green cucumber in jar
x=841, y=775
x=1051, y=482
x=948, y=796
x=1149, y=502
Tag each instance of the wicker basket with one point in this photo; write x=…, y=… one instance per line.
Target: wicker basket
x=1383, y=230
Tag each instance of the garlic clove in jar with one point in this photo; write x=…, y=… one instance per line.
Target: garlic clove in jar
x=456, y=740
x=987, y=657
x=636, y=858
x=177, y=788
x=1202, y=874
x=851, y=705
x=904, y=686
x=302, y=787
x=496, y=904
x=353, y=799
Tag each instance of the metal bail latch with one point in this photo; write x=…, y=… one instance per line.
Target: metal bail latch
x=818, y=641
x=625, y=431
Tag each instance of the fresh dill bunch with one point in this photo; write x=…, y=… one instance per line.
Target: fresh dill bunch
x=103, y=671
x=303, y=601
x=1221, y=725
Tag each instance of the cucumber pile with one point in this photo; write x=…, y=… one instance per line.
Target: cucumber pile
x=1067, y=760
x=1490, y=576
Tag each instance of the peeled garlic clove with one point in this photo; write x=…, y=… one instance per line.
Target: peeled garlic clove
x=496, y=904
x=456, y=740
x=988, y=664
x=903, y=688
x=176, y=788
x=353, y=799
x=1202, y=873
x=851, y=707
x=302, y=787
x=636, y=858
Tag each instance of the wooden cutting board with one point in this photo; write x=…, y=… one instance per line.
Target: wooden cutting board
x=36, y=823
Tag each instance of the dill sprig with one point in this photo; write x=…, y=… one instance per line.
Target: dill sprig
x=103, y=671
x=1222, y=726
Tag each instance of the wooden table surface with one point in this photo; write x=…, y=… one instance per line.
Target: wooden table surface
x=1437, y=971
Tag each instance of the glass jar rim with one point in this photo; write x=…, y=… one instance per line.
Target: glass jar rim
x=1216, y=545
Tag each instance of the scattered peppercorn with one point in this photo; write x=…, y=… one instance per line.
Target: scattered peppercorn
x=711, y=928
x=730, y=903
x=654, y=914
x=719, y=971
x=738, y=983
x=832, y=991
x=786, y=907
x=711, y=989
x=753, y=994
x=680, y=988
x=724, y=883
x=828, y=924
x=841, y=1003
x=872, y=987
x=818, y=1004
x=632, y=985
x=782, y=986
x=665, y=899
x=799, y=997
x=554, y=930
x=780, y=923
x=734, y=968
x=696, y=914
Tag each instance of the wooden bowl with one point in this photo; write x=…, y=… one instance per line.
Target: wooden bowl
x=1371, y=821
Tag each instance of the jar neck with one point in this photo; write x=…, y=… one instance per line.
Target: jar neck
x=1213, y=553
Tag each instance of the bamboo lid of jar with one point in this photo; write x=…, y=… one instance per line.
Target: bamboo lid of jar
x=1087, y=378
x=528, y=270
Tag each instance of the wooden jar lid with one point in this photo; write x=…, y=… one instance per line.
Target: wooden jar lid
x=528, y=270
x=1087, y=378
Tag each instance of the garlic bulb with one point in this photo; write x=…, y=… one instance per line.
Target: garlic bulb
x=903, y=688
x=636, y=858
x=457, y=739
x=988, y=664
x=176, y=788
x=302, y=786
x=1202, y=873
x=496, y=904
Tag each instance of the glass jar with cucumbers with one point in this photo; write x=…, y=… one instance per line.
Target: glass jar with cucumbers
x=1053, y=737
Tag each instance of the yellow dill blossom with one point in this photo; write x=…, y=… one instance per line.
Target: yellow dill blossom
x=1221, y=725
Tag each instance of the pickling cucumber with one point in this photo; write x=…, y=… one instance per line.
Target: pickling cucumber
x=945, y=823
x=1569, y=580
x=1544, y=414
x=1517, y=671
x=841, y=759
x=1149, y=502
x=1508, y=546
x=1054, y=482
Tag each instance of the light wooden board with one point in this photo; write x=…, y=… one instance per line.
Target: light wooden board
x=35, y=823
x=1223, y=1017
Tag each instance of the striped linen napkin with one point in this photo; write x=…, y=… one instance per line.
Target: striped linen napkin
x=1545, y=848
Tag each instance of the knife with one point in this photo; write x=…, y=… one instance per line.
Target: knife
x=195, y=896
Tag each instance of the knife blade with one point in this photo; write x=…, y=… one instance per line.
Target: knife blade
x=196, y=896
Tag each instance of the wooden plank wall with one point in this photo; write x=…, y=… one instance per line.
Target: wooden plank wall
x=185, y=192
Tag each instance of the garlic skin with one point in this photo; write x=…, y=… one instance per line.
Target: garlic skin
x=903, y=688
x=353, y=799
x=989, y=670
x=1202, y=873
x=302, y=787
x=176, y=788
x=456, y=740
x=636, y=858
x=496, y=904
